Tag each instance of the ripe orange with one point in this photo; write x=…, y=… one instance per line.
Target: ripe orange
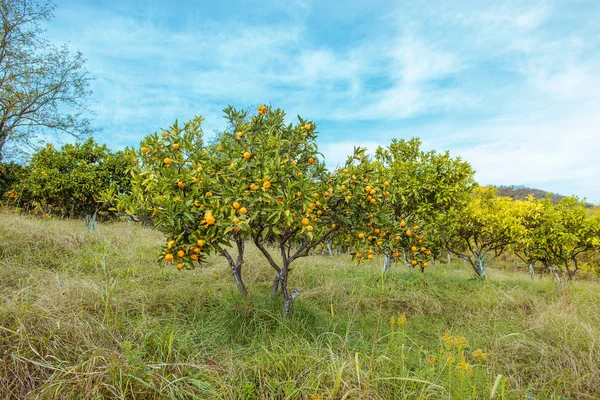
x=395, y=254
x=236, y=205
x=169, y=257
x=409, y=233
x=414, y=262
x=377, y=231
x=167, y=161
x=424, y=265
x=373, y=201
x=267, y=185
x=402, y=224
x=386, y=183
x=175, y=146
x=428, y=252
x=304, y=221
x=358, y=255
x=333, y=226
x=373, y=191
x=181, y=185
x=253, y=186
x=144, y=150
x=368, y=189
x=311, y=161
x=370, y=256
x=180, y=253
x=164, y=134
x=210, y=220
x=200, y=242
x=423, y=249
x=414, y=248
x=247, y=155
x=219, y=148
x=197, y=203
x=180, y=266
x=195, y=257
x=309, y=228
x=361, y=235
x=379, y=243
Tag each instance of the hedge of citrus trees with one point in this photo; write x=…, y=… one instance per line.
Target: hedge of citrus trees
x=263, y=181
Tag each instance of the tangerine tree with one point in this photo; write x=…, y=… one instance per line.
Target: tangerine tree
x=193, y=193
x=485, y=228
x=426, y=187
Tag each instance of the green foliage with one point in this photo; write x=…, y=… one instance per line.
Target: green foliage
x=486, y=228
x=11, y=174
x=69, y=181
x=558, y=235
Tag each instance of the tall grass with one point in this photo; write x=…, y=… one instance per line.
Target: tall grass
x=92, y=315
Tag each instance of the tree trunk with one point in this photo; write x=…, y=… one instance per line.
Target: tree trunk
x=571, y=274
x=330, y=249
x=275, y=286
x=387, y=263
x=448, y=257
x=531, y=272
x=288, y=300
x=553, y=270
x=236, y=271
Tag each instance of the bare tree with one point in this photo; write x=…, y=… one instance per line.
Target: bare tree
x=42, y=87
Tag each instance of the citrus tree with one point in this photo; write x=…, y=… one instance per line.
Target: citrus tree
x=485, y=228
x=563, y=233
x=194, y=194
x=69, y=181
x=426, y=187
x=368, y=221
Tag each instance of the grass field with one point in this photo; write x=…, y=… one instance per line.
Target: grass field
x=92, y=315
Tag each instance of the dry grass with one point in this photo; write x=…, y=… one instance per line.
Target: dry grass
x=92, y=315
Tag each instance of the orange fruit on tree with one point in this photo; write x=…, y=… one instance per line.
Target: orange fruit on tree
x=311, y=161
x=402, y=224
x=414, y=262
x=368, y=189
x=180, y=253
x=195, y=257
x=414, y=248
x=386, y=183
x=370, y=256
x=309, y=228
x=304, y=221
x=236, y=205
x=247, y=155
x=164, y=134
x=200, y=242
x=144, y=150
x=409, y=233
x=373, y=191
x=210, y=220
x=307, y=127
x=181, y=185
x=253, y=186
x=333, y=226
x=167, y=161
x=267, y=185
x=180, y=266
x=377, y=231
x=169, y=257
x=423, y=249
x=176, y=146
x=428, y=252
x=361, y=235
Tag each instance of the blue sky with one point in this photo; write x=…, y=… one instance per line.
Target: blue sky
x=513, y=87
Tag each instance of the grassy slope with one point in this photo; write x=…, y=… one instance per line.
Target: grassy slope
x=88, y=315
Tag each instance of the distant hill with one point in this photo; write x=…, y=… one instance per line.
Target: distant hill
x=521, y=192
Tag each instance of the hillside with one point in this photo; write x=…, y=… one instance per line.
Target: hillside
x=92, y=315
